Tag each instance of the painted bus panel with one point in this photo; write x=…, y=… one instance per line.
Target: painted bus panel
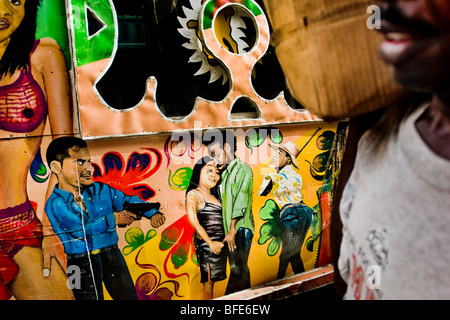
x=204, y=207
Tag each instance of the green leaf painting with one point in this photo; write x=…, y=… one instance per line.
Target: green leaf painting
x=135, y=238
x=270, y=230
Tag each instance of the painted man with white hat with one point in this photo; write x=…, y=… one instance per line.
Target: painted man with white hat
x=295, y=216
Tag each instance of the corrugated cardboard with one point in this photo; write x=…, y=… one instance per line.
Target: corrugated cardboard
x=330, y=56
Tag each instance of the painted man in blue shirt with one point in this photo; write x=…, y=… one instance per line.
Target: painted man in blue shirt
x=84, y=214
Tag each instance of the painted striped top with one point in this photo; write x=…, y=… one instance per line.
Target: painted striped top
x=23, y=105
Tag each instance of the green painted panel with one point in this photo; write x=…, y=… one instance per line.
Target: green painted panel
x=211, y=7
x=52, y=23
x=99, y=46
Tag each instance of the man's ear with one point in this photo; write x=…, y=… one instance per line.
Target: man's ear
x=55, y=167
x=227, y=147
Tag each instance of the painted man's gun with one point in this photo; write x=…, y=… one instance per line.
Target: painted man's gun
x=142, y=209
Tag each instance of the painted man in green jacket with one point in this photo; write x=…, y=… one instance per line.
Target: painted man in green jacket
x=236, y=188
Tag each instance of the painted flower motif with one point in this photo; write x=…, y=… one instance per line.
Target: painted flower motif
x=179, y=145
x=128, y=177
x=270, y=230
x=319, y=165
x=135, y=238
x=178, y=237
x=149, y=286
x=256, y=137
x=179, y=181
x=38, y=170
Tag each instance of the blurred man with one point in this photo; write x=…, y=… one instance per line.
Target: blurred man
x=394, y=208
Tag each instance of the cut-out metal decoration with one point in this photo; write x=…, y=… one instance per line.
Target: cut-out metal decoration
x=93, y=55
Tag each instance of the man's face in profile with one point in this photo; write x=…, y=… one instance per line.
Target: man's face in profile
x=417, y=42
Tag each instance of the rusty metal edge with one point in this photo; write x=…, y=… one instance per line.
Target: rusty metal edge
x=287, y=287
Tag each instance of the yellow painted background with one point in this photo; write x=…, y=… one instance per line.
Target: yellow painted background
x=263, y=268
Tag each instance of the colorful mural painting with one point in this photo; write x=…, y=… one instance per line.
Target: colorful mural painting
x=138, y=202
x=165, y=262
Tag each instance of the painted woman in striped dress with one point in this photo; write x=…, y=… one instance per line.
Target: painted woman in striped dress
x=205, y=214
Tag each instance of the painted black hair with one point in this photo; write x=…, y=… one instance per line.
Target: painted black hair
x=222, y=137
x=58, y=149
x=195, y=178
x=17, y=54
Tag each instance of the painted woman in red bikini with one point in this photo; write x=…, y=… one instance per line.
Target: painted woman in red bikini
x=33, y=84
